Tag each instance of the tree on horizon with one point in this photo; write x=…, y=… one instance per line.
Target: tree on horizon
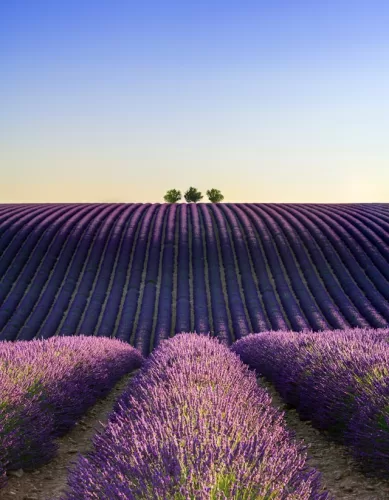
x=214, y=195
x=193, y=195
x=172, y=196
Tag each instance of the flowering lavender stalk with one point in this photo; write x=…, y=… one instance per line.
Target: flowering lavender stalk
x=46, y=385
x=194, y=424
x=337, y=379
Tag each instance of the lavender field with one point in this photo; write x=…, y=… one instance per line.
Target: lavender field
x=297, y=292
x=144, y=272
x=336, y=380
x=46, y=386
x=195, y=425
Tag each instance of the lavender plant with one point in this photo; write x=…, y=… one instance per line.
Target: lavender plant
x=46, y=385
x=194, y=424
x=337, y=379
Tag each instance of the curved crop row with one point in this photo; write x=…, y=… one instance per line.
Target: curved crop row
x=144, y=272
x=47, y=385
x=194, y=424
x=164, y=316
x=337, y=379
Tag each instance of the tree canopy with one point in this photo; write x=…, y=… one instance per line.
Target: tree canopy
x=193, y=195
x=214, y=195
x=172, y=196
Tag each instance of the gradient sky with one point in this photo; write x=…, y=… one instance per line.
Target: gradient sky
x=269, y=101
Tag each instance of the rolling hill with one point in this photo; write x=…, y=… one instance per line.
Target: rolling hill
x=143, y=272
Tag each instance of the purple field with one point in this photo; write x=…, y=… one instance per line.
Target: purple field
x=299, y=292
x=144, y=272
x=337, y=380
x=46, y=386
x=194, y=424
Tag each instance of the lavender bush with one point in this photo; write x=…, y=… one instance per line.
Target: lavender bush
x=194, y=424
x=46, y=385
x=337, y=379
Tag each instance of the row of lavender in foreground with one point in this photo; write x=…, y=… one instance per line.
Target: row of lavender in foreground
x=46, y=386
x=339, y=380
x=194, y=424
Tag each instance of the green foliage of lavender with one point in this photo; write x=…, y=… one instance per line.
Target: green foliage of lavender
x=337, y=379
x=46, y=385
x=194, y=424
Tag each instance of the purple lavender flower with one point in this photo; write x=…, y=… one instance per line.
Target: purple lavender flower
x=337, y=379
x=46, y=385
x=194, y=424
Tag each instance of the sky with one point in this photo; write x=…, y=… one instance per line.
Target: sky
x=268, y=101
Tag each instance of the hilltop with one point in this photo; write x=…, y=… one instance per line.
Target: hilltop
x=143, y=272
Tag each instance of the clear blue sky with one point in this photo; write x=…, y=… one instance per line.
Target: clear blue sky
x=273, y=101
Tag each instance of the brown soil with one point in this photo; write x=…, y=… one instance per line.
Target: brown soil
x=49, y=481
x=340, y=474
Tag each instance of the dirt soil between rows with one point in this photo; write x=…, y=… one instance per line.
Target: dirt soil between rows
x=340, y=474
x=49, y=481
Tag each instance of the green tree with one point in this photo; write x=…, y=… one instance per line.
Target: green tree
x=214, y=195
x=192, y=195
x=172, y=196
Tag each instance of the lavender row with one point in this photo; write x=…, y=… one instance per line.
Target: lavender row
x=114, y=300
x=300, y=284
x=47, y=385
x=193, y=423
x=218, y=304
x=268, y=292
x=57, y=315
x=364, y=294
x=13, y=219
x=164, y=316
x=336, y=379
x=285, y=293
x=228, y=269
x=48, y=292
x=146, y=316
x=240, y=323
x=343, y=312
x=370, y=250
x=125, y=326
x=183, y=304
x=18, y=234
x=27, y=294
x=255, y=308
x=200, y=297
x=374, y=227
x=20, y=265
x=294, y=246
x=91, y=268
x=96, y=296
